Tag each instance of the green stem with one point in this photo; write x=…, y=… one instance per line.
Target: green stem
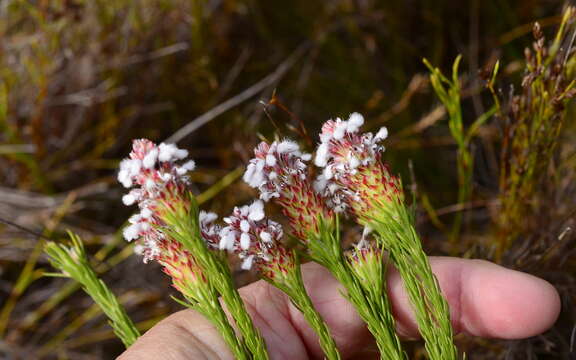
x=325, y=248
x=374, y=311
x=235, y=305
x=431, y=309
x=73, y=262
x=213, y=311
x=296, y=290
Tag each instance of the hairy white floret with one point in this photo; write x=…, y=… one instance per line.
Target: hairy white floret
x=245, y=241
x=321, y=155
x=244, y=226
x=189, y=165
x=166, y=152
x=146, y=213
x=207, y=217
x=227, y=238
x=354, y=122
x=287, y=146
x=382, y=134
x=128, y=199
x=339, y=129
x=256, y=211
x=270, y=160
x=131, y=232
x=247, y=263
x=150, y=159
x=181, y=154
x=265, y=236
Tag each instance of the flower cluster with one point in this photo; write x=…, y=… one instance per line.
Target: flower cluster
x=153, y=173
x=257, y=240
x=354, y=178
x=279, y=172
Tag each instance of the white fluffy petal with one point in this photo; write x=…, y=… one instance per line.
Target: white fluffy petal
x=245, y=241
x=256, y=211
x=247, y=263
x=150, y=159
x=354, y=122
x=244, y=226
x=288, y=146
x=321, y=155
x=265, y=236
x=381, y=134
x=128, y=199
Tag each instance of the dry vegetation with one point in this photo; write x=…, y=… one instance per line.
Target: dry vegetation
x=80, y=78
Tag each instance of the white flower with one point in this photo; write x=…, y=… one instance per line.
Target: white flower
x=134, y=166
x=354, y=122
x=146, y=213
x=150, y=159
x=124, y=178
x=270, y=160
x=244, y=241
x=207, y=217
x=181, y=154
x=321, y=155
x=244, y=226
x=189, y=165
x=320, y=184
x=256, y=211
x=128, y=199
x=339, y=129
x=327, y=173
x=227, y=237
x=382, y=134
x=353, y=162
x=265, y=236
x=169, y=152
x=287, y=146
x=131, y=232
x=247, y=263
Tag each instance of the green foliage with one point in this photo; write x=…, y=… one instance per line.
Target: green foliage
x=449, y=93
x=395, y=232
x=72, y=262
x=181, y=219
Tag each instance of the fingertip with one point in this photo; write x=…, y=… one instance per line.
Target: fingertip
x=507, y=304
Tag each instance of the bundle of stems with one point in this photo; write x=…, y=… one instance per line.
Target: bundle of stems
x=395, y=232
x=364, y=279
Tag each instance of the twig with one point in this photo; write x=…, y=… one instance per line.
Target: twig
x=19, y=227
x=240, y=98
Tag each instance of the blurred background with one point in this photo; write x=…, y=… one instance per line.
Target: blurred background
x=79, y=79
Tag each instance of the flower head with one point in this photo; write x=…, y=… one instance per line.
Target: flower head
x=187, y=276
x=257, y=240
x=354, y=178
x=279, y=172
x=366, y=262
x=155, y=175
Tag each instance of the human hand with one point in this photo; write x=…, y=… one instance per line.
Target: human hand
x=485, y=300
